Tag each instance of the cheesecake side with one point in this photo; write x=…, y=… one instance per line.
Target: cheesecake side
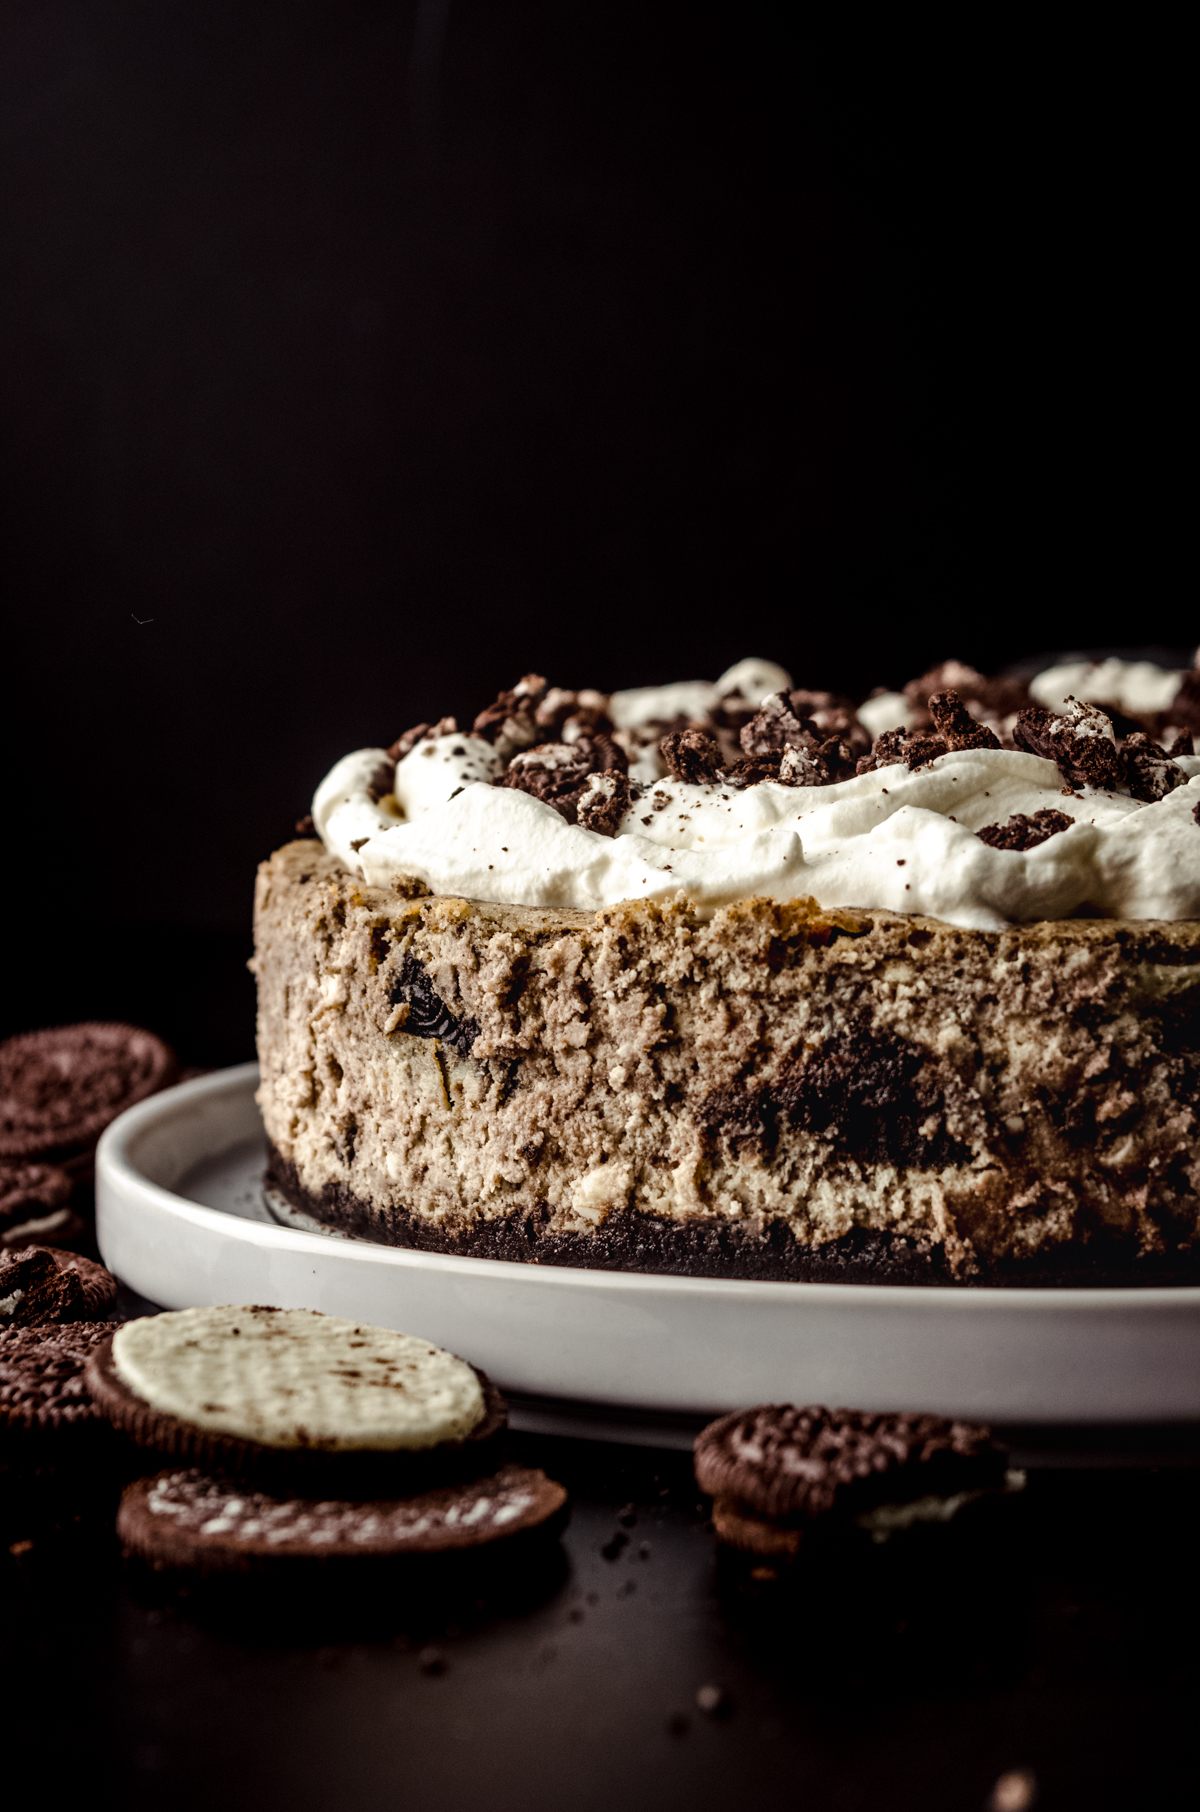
x=768, y=1090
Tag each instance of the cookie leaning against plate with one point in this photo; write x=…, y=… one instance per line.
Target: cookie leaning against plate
x=188, y=1519
x=298, y=1400
x=779, y=1474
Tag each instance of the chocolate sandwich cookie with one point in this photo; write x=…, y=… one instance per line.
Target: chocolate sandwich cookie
x=189, y=1519
x=294, y=1399
x=35, y=1205
x=42, y=1285
x=45, y=1404
x=61, y=1087
x=778, y=1474
x=62, y=1463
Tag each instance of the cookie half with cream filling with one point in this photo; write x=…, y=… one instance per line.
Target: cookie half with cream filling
x=781, y=1475
x=298, y=1400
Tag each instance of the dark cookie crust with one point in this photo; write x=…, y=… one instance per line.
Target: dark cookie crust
x=795, y=1466
x=169, y=1522
x=366, y=1474
x=61, y=1087
x=708, y=1248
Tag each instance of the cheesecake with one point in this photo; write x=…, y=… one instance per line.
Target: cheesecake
x=741, y=980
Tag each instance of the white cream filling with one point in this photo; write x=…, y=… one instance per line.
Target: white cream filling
x=887, y=1520
x=291, y=1378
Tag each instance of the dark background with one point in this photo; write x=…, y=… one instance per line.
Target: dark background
x=356, y=358
x=359, y=357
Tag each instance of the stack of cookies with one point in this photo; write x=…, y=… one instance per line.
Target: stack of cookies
x=294, y=1438
x=787, y=1480
x=59, y=1455
x=297, y=1437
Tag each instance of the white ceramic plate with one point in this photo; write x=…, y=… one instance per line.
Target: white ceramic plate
x=183, y=1219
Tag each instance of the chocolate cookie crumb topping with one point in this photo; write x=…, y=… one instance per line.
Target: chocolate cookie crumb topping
x=911, y=747
x=1150, y=773
x=996, y=698
x=1081, y=742
x=404, y=745
x=511, y=722
x=566, y=714
x=604, y=802
x=560, y=773
x=773, y=728
x=692, y=756
x=1022, y=832
x=751, y=770
x=956, y=725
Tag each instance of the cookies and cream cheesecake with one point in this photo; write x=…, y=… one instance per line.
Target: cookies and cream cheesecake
x=740, y=979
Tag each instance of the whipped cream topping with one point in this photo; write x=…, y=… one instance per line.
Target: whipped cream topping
x=1138, y=688
x=754, y=680
x=892, y=838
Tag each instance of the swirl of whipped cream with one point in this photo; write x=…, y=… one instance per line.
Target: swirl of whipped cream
x=1136, y=687
x=893, y=838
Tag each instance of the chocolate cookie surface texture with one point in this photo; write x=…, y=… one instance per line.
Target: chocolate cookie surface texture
x=298, y=1399
x=44, y=1397
x=189, y=1519
x=59, y=1088
x=35, y=1206
x=42, y=1285
x=777, y=1473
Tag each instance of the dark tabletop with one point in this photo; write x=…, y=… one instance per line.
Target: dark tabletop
x=1059, y=1643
